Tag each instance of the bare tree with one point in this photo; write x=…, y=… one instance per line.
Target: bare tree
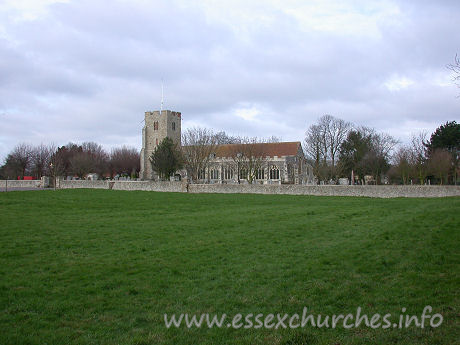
x=97, y=156
x=22, y=157
x=41, y=159
x=238, y=157
x=418, y=148
x=378, y=158
x=455, y=68
x=79, y=159
x=124, y=160
x=384, y=144
x=439, y=164
x=198, y=145
x=335, y=131
x=10, y=168
x=402, y=163
x=223, y=138
x=272, y=139
x=82, y=164
x=61, y=159
x=322, y=144
x=410, y=161
x=314, y=147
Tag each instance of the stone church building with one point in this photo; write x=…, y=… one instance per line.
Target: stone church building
x=282, y=162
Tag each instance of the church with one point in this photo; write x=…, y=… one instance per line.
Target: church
x=281, y=162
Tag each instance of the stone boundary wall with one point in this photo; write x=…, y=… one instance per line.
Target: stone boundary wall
x=165, y=186
x=97, y=184
x=388, y=191
x=21, y=184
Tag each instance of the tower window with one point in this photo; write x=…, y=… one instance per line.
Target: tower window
x=155, y=126
x=173, y=126
x=156, y=141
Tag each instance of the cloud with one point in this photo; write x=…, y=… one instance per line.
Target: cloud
x=27, y=10
x=86, y=70
x=248, y=114
x=396, y=83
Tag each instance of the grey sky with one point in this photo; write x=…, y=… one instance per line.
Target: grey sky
x=87, y=70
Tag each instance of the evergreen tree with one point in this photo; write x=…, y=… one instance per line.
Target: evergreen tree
x=366, y=153
x=353, y=152
x=446, y=137
x=166, y=159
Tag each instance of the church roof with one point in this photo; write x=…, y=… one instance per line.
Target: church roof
x=266, y=149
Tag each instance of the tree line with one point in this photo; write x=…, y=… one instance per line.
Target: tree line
x=69, y=160
x=337, y=148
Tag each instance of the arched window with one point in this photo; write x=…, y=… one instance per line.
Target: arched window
x=173, y=126
x=274, y=173
x=291, y=171
x=228, y=173
x=243, y=174
x=155, y=126
x=214, y=174
x=260, y=174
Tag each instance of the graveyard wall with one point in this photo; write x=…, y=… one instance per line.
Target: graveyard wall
x=69, y=184
x=164, y=186
x=21, y=184
x=387, y=191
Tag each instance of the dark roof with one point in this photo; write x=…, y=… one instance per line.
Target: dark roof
x=268, y=149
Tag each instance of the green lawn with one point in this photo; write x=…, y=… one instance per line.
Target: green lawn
x=103, y=267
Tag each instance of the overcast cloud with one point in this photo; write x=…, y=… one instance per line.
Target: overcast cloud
x=87, y=70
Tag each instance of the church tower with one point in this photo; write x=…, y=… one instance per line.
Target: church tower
x=158, y=125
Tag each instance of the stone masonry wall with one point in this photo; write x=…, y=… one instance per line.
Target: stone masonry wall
x=69, y=184
x=328, y=190
x=21, y=184
x=166, y=186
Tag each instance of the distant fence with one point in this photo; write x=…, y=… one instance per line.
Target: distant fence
x=386, y=191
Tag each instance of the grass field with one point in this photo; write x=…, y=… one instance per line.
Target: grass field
x=103, y=267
